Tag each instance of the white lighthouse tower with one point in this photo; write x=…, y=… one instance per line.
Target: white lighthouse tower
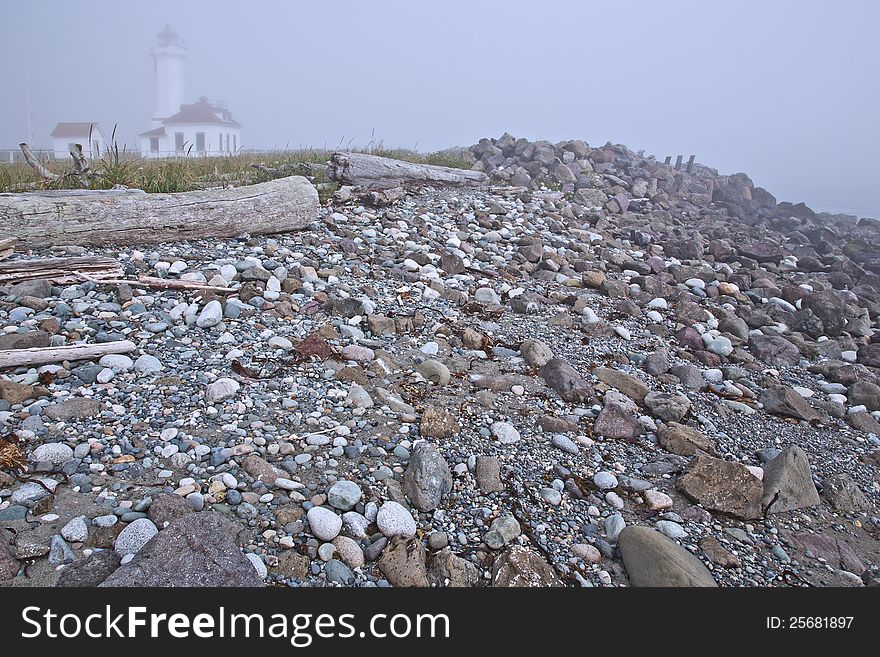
x=168, y=56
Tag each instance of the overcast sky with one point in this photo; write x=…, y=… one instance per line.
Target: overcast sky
x=786, y=91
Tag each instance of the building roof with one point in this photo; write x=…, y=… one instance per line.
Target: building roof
x=155, y=132
x=202, y=113
x=68, y=130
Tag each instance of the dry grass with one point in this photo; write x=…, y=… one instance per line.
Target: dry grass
x=190, y=172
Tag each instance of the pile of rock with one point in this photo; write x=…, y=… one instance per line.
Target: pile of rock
x=639, y=376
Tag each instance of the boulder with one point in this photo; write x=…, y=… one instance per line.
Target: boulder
x=843, y=494
x=450, y=570
x=565, y=380
x=788, y=482
x=520, y=566
x=651, y=559
x=722, y=486
x=427, y=478
x=198, y=549
x=785, y=401
x=774, y=350
x=403, y=562
x=684, y=441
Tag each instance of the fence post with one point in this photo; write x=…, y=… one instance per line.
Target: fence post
x=690, y=164
x=678, y=163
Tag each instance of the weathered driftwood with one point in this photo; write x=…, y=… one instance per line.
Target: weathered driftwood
x=131, y=216
x=7, y=246
x=154, y=283
x=46, y=355
x=35, y=164
x=59, y=270
x=374, y=172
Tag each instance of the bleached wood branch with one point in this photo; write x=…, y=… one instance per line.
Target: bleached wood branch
x=46, y=355
x=35, y=164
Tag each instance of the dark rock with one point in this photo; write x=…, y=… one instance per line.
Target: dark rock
x=836, y=552
x=864, y=393
x=722, y=486
x=168, y=508
x=684, y=441
x=564, y=379
x=403, y=562
x=488, y=474
x=450, y=570
x=651, y=559
x=843, y=494
x=788, y=482
x=27, y=340
x=76, y=408
x=718, y=554
x=427, y=478
x=90, y=571
x=521, y=567
x=668, y=407
x=617, y=423
x=784, y=401
x=629, y=385
x=774, y=350
x=198, y=549
x=437, y=422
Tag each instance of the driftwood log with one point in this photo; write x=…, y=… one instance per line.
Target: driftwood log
x=373, y=172
x=131, y=216
x=7, y=246
x=46, y=355
x=153, y=283
x=59, y=270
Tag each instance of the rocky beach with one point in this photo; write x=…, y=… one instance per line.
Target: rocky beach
x=594, y=369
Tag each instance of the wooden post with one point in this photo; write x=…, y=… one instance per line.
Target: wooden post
x=690, y=164
x=678, y=163
x=668, y=160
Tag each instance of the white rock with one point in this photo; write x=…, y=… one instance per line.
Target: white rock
x=394, y=519
x=671, y=529
x=222, y=389
x=324, y=523
x=117, y=362
x=258, y=564
x=54, y=453
x=76, y=530
x=721, y=346
x=135, y=536
x=211, y=315
x=505, y=433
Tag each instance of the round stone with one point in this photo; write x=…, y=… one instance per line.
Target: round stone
x=76, y=530
x=605, y=480
x=505, y=432
x=324, y=524
x=394, y=519
x=343, y=495
x=135, y=536
x=54, y=453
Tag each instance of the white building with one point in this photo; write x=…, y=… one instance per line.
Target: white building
x=202, y=128
x=66, y=135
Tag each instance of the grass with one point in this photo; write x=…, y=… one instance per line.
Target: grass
x=191, y=172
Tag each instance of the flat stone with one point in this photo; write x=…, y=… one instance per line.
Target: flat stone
x=651, y=559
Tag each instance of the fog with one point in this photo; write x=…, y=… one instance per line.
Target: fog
x=785, y=91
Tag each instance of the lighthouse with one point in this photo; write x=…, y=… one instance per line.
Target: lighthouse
x=205, y=127
x=168, y=58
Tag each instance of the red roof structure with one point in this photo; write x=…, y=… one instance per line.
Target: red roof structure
x=202, y=113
